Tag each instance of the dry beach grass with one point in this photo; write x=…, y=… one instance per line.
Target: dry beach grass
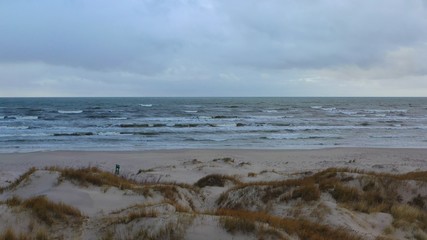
x=329, y=203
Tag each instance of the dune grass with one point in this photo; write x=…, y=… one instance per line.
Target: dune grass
x=217, y=180
x=47, y=211
x=245, y=221
x=9, y=234
x=94, y=176
x=20, y=179
x=357, y=190
x=233, y=225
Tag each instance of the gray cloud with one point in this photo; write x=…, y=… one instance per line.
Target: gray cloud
x=269, y=46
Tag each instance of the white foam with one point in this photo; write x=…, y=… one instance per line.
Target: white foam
x=146, y=105
x=25, y=117
x=270, y=111
x=329, y=109
x=118, y=118
x=26, y=135
x=347, y=112
x=14, y=127
x=386, y=110
x=109, y=133
x=191, y=111
x=70, y=112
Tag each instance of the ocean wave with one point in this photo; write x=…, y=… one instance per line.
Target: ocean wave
x=134, y=125
x=348, y=112
x=158, y=125
x=223, y=117
x=148, y=134
x=26, y=135
x=14, y=127
x=186, y=125
x=108, y=133
x=118, y=118
x=205, y=139
x=329, y=109
x=191, y=111
x=270, y=111
x=298, y=136
x=385, y=110
x=146, y=105
x=70, y=112
x=22, y=117
x=74, y=134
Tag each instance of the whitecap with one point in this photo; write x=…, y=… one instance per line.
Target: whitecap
x=118, y=118
x=14, y=127
x=109, y=133
x=146, y=105
x=347, y=112
x=24, y=117
x=329, y=109
x=316, y=107
x=70, y=112
x=270, y=111
x=191, y=111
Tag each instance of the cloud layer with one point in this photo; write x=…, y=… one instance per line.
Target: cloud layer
x=215, y=48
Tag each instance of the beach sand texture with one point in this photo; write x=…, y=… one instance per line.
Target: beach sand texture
x=218, y=194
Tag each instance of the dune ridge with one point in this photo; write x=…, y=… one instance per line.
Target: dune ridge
x=216, y=195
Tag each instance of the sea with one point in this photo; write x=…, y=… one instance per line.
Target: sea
x=118, y=124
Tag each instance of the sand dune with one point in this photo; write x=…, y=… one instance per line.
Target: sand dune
x=347, y=193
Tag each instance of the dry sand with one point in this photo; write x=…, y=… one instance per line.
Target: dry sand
x=188, y=166
x=395, y=160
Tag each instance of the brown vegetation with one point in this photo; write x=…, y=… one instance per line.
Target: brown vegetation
x=94, y=176
x=302, y=228
x=22, y=178
x=9, y=234
x=356, y=190
x=46, y=210
x=215, y=180
x=247, y=207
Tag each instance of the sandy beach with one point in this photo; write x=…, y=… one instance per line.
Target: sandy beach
x=198, y=209
x=397, y=160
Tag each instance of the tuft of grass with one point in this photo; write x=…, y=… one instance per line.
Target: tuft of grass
x=416, y=176
x=418, y=201
x=302, y=228
x=13, y=201
x=307, y=192
x=342, y=193
x=406, y=213
x=42, y=235
x=143, y=213
x=270, y=233
x=215, y=180
x=252, y=174
x=9, y=234
x=233, y=225
x=48, y=211
x=94, y=176
x=20, y=179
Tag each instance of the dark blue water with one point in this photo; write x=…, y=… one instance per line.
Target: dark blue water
x=33, y=124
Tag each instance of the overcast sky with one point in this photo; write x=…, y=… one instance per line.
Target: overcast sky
x=213, y=48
